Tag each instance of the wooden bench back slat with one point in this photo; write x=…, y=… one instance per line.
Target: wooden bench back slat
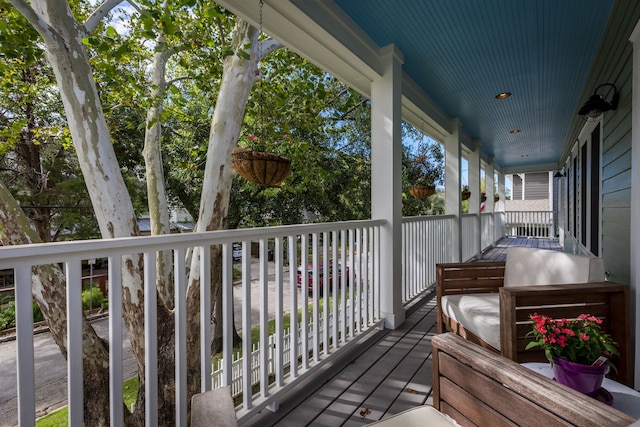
x=488, y=402
x=513, y=391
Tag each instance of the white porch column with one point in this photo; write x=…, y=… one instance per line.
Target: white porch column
x=500, y=208
x=474, y=201
x=501, y=192
x=488, y=186
x=452, y=206
x=386, y=180
x=635, y=198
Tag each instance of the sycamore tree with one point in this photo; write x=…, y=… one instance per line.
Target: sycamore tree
x=35, y=162
x=65, y=37
x=170, y=57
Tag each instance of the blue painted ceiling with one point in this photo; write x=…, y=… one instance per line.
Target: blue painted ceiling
x=464, y=52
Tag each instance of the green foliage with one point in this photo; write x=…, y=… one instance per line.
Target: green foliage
x=60, y=417
x=36, y=163
x=37, y=314
x=577, y=340
x=8, y=315
x=422, y=164
x=425, y=165
x=92, y=297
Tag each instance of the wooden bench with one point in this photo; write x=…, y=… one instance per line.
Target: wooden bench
x=476, y=386
x=606, y=300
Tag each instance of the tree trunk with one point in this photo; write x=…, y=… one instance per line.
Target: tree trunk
x=238, y=77
x=49, y=290
x=112, y=205
x=156, y=195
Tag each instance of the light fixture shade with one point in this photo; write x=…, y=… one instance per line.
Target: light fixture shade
x=594, y=107
x=558, y=174
x=597, y=105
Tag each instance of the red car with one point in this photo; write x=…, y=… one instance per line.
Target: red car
x=309, y=276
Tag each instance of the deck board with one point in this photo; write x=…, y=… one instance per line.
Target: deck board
x=390, y=373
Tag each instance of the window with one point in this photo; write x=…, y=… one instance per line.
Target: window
x=583, y=197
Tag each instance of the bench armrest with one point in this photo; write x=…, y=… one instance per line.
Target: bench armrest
x=466, y=278
x=606, y=300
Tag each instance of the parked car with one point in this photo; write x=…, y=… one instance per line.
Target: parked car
x=309, y=276
x=237, y=251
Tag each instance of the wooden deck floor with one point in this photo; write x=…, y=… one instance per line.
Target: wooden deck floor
x=387, y=373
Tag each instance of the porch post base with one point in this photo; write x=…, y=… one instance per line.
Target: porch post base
x=393, y=320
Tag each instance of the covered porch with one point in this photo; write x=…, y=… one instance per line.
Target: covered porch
x=388, y=372
x=386, y=314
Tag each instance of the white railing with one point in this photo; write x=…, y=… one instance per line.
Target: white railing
x=426, y=240
x=499, y=226
x=529, y=223
x=469, y=236
x=487, y=230
x=346, y=252
x=264, y=290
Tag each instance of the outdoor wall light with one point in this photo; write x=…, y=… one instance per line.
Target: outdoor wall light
x=597, y=105
x=559, y=174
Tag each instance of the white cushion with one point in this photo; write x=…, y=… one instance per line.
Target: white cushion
x=532, y=266
x=478, y=313
x=424, y=415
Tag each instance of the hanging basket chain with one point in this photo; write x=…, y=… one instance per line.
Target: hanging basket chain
x=266, y=169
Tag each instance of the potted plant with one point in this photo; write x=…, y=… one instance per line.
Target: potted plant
x=423, y=172
x=483, y=197
x=496, y=198
x=259, y=162
x=465, y=192
x=579, y=351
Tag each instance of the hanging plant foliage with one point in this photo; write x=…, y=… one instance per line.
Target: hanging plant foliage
x=465, y=194
x=266, y=169
x=423, y=172
x=422, y=191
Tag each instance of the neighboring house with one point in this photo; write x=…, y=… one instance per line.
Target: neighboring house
x=530, y=212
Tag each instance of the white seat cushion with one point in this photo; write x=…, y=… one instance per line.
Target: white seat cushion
x=424, y=415
x=532, y=266
x=478, y=313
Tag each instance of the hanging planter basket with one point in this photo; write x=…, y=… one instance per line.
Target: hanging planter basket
x=483, y=197
x=466, y=195
x=422, y=191
x=267, y=169
x=496, y=199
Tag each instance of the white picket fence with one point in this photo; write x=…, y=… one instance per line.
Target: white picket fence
x=237, y=388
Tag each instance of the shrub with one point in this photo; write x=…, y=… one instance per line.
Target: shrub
x=92, y=298
x=8, y=315
x=37, y=314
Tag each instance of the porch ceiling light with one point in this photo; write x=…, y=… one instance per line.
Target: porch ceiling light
x=558, y=174
x=597, y=104
x=515, y=131
x=503, y=95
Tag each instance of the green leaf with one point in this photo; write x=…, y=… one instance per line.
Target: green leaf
x=243, y=54
x=111, y=32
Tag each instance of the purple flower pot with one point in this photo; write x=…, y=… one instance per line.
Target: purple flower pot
x=586, y=379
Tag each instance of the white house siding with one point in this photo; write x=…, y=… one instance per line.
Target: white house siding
x=527, y=205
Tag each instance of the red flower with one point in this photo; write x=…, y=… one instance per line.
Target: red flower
x=577, y=340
